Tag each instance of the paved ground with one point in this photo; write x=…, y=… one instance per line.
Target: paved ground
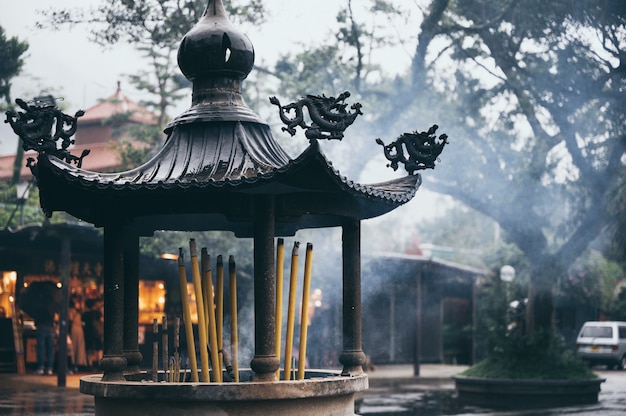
x=393, y=392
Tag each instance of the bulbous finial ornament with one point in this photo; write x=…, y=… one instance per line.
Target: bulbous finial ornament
x=215, y=47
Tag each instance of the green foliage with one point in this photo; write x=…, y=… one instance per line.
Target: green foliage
x=145, y=141
x=617, y=308
x=12, y=52
x=11, y=207
x=163, y=83
x=531, y=358
x=217, y=243
x=591, y=280
x=135, y=143
x=471, y=235
x=158, y=23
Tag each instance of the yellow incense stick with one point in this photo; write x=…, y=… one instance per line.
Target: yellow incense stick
x=219, y=304
x=280, y=261
x=176, y=375
x=207, y=280
x=191, y=349
x=304, y=315
x=234, y=336
x=206, y=293
x=291, y=311
x=202, y=326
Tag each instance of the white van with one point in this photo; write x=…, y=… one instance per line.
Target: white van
x=603, y=343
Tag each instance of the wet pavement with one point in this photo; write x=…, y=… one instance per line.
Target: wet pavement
x=34, y=395
x=393, y=392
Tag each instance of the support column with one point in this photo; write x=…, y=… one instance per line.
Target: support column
x=131, y=301
x=352, y=356
x=417, y=352
x=66, y=258
x=113, y=362
x=265, y=363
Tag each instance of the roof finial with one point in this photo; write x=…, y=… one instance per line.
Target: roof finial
x=215, y=8
x=119, y=85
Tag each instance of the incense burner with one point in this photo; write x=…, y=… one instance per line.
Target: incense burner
x=221, y=169
x=320, y=393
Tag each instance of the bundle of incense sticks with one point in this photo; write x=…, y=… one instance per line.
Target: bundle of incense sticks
x=210, y=308
x=288, y=370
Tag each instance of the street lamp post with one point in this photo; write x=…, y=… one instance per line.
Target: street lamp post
x=507, y=275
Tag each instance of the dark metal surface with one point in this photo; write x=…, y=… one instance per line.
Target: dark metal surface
x=352, y=356
x=41, y=126
x=309, y=192
x=329, y=118
x=113, y=362
x=423, y=149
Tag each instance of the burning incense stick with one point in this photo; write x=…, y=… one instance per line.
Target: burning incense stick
x=165, y=348
x=280, y=261
x=291, y=311
x=304, y=315
x=234, y=336
x=219, y=303
x=191, y=349
x=202, y=326
x=176, y=375
x=207, y=279
x=155, y=350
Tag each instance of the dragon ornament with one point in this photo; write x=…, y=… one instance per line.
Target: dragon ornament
x=423, y=149
x=41, y=126
x=329, y=116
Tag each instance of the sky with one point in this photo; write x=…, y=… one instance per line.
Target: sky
x=67, y=64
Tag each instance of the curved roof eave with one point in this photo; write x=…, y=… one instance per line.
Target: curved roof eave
x=301, y=184
x=302, y=173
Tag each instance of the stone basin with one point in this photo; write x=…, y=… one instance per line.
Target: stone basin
x=322, y=392
x=526, y=393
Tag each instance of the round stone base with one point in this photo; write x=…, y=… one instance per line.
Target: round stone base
x=321, y=393
x=526, y=393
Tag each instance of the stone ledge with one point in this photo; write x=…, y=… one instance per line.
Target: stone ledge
x=526, y=393
x=321, y=393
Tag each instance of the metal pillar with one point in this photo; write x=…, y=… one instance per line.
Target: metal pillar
x=265, y=363
x=66, y=248
x=131, y=301
x=352, y=356
x=113, y=362
x=417, y=352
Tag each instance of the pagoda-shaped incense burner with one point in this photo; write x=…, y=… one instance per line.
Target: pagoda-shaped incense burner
x=221, y=169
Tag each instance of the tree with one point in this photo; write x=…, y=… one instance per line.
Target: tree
x=12, y=52
x=531, y=94
x=543, y=170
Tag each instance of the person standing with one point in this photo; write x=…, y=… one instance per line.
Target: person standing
x=77, y=335
x=46, y=333
x=93, y=320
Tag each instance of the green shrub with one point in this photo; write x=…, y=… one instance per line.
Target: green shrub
x=539, y=357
